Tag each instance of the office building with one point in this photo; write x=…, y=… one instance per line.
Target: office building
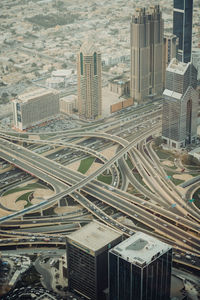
x=180, y=105
x=35, y=107
x=146, y=38
x=89, y=82
x=182, y=28
x=140, y=269
x=87, y=259
x=169, y=51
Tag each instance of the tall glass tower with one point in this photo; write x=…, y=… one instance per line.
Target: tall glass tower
x=182, y=28
x=180, y=105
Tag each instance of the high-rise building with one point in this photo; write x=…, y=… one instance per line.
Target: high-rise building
x=87, y=259
x=140, y=268
x=34, y=107
x=146, y=37
x=169, y=51
x=89, y=81
x=180, y=105
x=182, y=28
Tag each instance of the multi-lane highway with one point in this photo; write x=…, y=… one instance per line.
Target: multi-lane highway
x=180, y=227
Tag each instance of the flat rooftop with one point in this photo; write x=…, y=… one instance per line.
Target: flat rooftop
x=140, y=249
x=69, y=98
x=94, y=236
x=177, y=67
x=172, y=94
x=62, y=73
x=35, y=94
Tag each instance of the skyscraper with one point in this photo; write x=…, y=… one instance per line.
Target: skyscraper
x=87, y=259
x=180, y=105
x=182, y=28
x=169, y=51
x=140, y=269
x=89, y=81
x=146, y=37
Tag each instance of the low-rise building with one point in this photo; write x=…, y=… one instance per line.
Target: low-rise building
x=120, y=86
x=68, y=104
x=55, y=82
x=35, y=107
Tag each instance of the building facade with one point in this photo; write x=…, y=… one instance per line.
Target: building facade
x=35, y=107
x=87, y=259
x=180, y=105
x=182, y=28
x=146, y=38
x=119, y=85
x=140, y=268
x=89, y=82
x=169, y=51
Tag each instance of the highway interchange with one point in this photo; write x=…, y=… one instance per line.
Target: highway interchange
x=159, y=209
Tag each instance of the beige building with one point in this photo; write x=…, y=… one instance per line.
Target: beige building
x=119, y=85
x=35, y=107
x=146, y=38
x=89, y=82
x=68, y=104
x=169, y=51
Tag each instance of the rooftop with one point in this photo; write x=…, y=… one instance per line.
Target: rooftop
x=177, y=67
x=88, y=48
x=34, y=94
x=94, y=236
x=169, y=35
x=140, y=249
x=69, y=98
x=172, y=94
x=62, y=73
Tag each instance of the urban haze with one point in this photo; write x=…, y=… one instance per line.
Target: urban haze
x=100, y=149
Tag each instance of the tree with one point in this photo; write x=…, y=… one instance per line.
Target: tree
x=64, y=66
x=4, y=95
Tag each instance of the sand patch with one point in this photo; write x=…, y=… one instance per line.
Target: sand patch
x=95, y=166
x=4, y=212
x=74, y=166
x=9, y=201
x=168, y=163
x=66, y=209
x=41, y=195
x=6, y=169
x=34, y=137
x=28, y=182
x=109, y=152
x=183, y=176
